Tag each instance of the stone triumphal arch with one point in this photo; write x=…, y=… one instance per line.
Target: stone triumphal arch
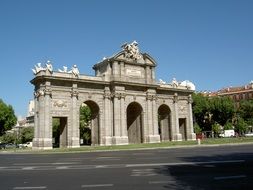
x=128, y=105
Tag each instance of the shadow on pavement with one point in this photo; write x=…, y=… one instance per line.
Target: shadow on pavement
x=234, y=174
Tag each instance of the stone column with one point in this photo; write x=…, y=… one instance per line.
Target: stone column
x=156, y=136
x=43, y=121
x=108, y=128
x=190, y=132
x=74, y=131
x=116, y=118
x=36, y=121
x=152, y=120
x=176, y=136
x=123, y=125
x=48, y=119
x=150, y=115
x=117, y=113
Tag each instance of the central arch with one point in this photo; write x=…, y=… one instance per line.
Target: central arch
x=164, y=123
x=134, y=123
x=92, y=128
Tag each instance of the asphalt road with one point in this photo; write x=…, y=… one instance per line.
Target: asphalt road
x=221, y=167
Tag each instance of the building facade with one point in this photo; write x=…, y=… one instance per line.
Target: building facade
x=236, y=93
x=127, y=104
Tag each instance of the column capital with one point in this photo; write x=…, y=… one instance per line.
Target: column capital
x=118, y=95
x=107, y=95
x=74, y=93
x=43, y=92
x=175, y=98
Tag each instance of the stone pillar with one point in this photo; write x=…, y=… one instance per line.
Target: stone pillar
x=123, y=126
x=36, y=121
x=176, y=136
x=48, y=119
x=156, y=136
x=43, y=121
x=74, y=131
x=190, y=132
x=149, y=115
x=117, y=112
x=152, y=120
x=108, y=128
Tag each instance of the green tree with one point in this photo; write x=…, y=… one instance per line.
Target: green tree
x=85, y=119
x=27, y=134
x=7, y=117
x=228, y=126
x=197, y=128
x=216, y=128
x=240, y=126
x=245, y=111
x=8, y=138
x=201, y=111
x=222, y=109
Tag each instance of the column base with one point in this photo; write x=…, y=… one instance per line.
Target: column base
x=177, y=137
x=152, y=139
x=42, y=144
x=120, y=140
x=75, y=143
x=191, y=137
x=107, y=141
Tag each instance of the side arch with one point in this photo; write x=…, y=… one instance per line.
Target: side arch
x=93, y=126
x=135, y=123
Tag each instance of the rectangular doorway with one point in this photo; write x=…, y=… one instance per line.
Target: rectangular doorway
x=182, y=128
x=60, y=136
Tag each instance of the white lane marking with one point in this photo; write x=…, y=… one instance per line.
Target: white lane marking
x=143, y=172
x=65, y=163
x=230, y=177
x=44, y=163
x=62, y=167
x=28, y=168
x=184, y=163
x=40, y=187
x=158, y=182
x=83, y=167
x=101, y=166
x=96, y=185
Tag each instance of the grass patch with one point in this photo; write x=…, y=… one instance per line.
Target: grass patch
x=211, y=141
x=227, y=140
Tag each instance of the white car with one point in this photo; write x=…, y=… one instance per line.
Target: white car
x=249, y=135
x=28, y=144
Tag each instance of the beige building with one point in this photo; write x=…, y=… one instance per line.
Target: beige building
x=237, y=93
x=128, y=105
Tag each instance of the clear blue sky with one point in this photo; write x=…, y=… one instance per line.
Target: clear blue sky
x=209, y=42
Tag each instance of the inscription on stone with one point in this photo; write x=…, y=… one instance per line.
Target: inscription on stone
x=133, y=72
